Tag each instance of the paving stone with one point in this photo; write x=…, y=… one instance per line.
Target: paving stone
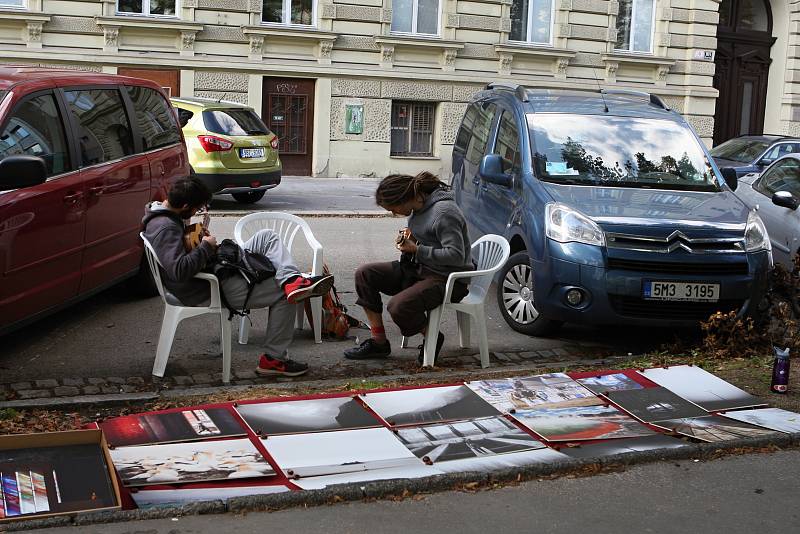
x=66, y=391
x=561, y=352
x=33, y=393
x=127, y=389
x=135, y=381
x=546, y=353
x=115, y=380
x=476, y=357
x=468, y=360
x=183, y=380
x=245, y=382
x=47, y=383
x=18, y=386
x=513, y=357
x=72, y=381
x=528, y=355
x=202, y=378
x=96, y=381
x=91, y=390
x=245, y=374
x=500, y=356
x=109, y=389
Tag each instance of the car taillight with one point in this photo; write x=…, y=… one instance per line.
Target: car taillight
x=212, y=143
x=274, y=143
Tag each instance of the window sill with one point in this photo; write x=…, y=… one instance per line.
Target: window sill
x=150, y=23
x=418, y=40
x=659, y=66
x=426, y=158
x=534, y=49
x=23, y=15
x=294, y=32
x=642, y=58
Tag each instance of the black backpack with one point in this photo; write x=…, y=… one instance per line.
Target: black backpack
x=233, y=260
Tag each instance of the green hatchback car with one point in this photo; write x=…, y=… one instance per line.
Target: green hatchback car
x=230, y=147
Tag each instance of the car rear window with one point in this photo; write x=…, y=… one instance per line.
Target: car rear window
x=741, y=150
x=234, y=122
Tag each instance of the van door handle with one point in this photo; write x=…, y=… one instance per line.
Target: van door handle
x=97, y=190
x=73, y=198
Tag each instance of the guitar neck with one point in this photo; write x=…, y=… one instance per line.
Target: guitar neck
x=206, y=220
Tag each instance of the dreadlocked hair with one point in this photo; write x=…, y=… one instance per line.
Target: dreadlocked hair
x=398, y=189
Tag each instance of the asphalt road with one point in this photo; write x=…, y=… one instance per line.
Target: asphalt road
x=742, y=494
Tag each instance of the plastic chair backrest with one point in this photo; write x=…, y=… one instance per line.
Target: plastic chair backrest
x=490, y=253
x=155, y=265
x=285, y=225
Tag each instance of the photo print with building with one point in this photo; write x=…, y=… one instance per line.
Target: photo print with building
x=171, y=427
x=654, y=404
x=466, y=439
x=712, y=428
x=701, y=387
x=772, y=418
x=190, y=462
x=428, y=405
x=613, y=382
x=541, y=391
x=314, y=415
x=577, y=423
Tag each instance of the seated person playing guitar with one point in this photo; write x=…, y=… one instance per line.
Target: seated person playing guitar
x=165, y=227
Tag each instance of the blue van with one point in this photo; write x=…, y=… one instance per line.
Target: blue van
x=615, y=211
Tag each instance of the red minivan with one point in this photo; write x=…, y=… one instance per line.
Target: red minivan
x=80, y=156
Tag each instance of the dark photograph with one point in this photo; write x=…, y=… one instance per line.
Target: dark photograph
x=171, y=427
x=621, y=446
x=654, y=404
x=712, y=428
x=429, y=405
x=315, y=415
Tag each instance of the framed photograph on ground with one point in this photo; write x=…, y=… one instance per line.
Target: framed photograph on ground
x=428, y=405
x=177, y=497
x=654, y=404
x=581, y=423
x=314, y=415
x=526, y=393
x=55, y=473
x=466, y=439
x=712, y=428
x=701, y=387
x=341, y=451
x=772, y=418
x=179, y=463
x=625, y=445
x=615, y=382
x=171, y=427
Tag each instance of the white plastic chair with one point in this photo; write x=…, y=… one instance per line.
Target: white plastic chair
x=286, y=226
x=490, y=253
x=175, y=312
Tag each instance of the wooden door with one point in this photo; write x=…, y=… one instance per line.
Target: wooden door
x=288, y=110
x=169, y=80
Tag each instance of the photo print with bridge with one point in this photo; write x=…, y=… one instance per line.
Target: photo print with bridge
x=577, y=423
x=712, y=428
x=171, y=427
x=428, y=405
x=541, y=391
x=701, y=387
x=313, y=415
x=613, y=382
x=655, y=404
x=772, y=418
x=179, y=463
x=459, y=440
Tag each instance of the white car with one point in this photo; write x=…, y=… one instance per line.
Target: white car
x=775, y=193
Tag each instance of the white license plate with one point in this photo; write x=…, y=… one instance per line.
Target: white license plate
x=249, y=153
x=688, y=291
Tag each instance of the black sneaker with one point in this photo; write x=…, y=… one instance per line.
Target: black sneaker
x=369, y=349
x=439, y=343
x=268, y=366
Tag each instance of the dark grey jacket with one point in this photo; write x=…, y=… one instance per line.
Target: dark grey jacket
x=163, y=228
x=441, y=234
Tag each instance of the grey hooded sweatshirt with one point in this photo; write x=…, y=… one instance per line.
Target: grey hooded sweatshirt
x=441, y=233
x=163, y=228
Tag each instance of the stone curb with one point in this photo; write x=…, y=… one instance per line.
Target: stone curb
x=383, y=489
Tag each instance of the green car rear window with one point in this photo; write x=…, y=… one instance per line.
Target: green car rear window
x=234, y=122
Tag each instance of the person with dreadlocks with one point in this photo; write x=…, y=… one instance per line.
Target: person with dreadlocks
x=435, y=244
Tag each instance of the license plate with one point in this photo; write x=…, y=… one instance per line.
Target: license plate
x=687, y=291
x=249, y=153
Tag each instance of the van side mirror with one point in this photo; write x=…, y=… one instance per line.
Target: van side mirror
x=491, y=170
x=730, y=177
x=764, y=162
x=21, y=171
x=785, y=199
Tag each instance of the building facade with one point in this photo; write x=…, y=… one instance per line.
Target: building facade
x=367, y=88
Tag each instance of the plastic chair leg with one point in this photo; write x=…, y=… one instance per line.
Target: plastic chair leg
x=431, y=336
x=463, y=329
x=300, y=316
x=483, y=337
x=316, y=318
x=225, y=341
x=168, y=327
x=404, y=343
x=244, y=329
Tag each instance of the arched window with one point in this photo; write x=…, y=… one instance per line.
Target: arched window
x=745, y=15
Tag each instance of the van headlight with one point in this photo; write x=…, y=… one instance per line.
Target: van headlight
x=756, y=237
x=565, y=225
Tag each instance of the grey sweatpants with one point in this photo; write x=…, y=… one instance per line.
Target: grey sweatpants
x=269, y=293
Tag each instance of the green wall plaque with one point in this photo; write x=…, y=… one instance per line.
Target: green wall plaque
x=354, y=119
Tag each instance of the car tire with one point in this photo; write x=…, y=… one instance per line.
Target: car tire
x=248, y=197
x=515, y=298
x=143, y=284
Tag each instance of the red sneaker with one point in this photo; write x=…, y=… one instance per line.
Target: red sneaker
x=302, y=288
x=268, y=366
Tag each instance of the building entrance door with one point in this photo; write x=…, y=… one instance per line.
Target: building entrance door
x=744, y=39
x=288, y=110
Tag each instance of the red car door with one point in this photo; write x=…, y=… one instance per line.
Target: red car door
x=41, y=227
x=117, y=181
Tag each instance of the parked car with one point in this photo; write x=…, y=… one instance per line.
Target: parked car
x=230, y=147
x=753, y=153
x=80, y=156
x=776, y=196
x=613, y=209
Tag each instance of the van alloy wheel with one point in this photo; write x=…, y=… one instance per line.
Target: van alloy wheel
x=518, y=294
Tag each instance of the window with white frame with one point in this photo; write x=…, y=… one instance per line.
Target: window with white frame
x=19, y=4
x=415, y=16
x=635, y=25
x=156, y=8
x=532, y=21
x=289, y=12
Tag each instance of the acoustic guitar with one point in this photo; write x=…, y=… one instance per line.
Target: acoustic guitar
x=193, y=233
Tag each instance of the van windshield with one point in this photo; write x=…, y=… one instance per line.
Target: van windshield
x=619, y=152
